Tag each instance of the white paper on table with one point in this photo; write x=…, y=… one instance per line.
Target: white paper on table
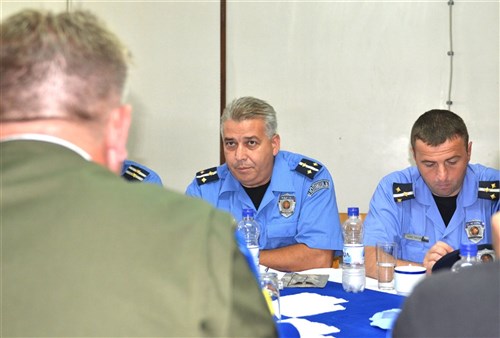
x=310, y=329
x=308, y=304
x=385, y=319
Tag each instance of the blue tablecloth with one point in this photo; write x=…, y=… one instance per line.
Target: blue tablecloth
x=354, y=320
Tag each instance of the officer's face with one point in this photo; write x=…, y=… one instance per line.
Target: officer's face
x=249, y=152
x=443, y=167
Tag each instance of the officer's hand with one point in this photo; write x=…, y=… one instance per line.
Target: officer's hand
x=435, y=253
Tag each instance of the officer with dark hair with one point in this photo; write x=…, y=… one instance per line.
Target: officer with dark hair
x=431, y=208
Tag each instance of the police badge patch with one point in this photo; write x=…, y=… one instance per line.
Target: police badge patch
x=286, y=203
x=474, y=230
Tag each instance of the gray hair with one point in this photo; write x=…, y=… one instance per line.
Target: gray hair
x=64, y=66
x=437, y=126
x=246, y=108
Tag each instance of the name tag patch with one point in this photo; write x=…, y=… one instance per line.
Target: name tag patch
x=418, y=238
x=318, y=185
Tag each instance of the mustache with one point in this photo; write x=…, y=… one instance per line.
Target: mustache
x=241, y=164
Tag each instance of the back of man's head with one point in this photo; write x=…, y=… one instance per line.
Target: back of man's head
x=59, y=66
x=437, y=126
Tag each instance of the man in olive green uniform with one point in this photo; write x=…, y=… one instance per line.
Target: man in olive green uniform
x=83, y=253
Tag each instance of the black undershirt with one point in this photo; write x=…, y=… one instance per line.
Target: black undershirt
x=257, y=194
x=446, y=206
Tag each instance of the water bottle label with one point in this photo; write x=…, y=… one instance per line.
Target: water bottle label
x=354, y=254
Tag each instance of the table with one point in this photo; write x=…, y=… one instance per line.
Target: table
x=354, y=320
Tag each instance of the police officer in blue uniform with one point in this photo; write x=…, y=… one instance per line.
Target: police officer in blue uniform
x=293, y=196
x=135, y=172
x=444, y=201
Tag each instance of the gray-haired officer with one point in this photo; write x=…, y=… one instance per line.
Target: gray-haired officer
x=293, y=195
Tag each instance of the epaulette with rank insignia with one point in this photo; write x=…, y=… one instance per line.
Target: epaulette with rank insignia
x=488, y=190
x=134, y=173
x=308, y=168
x=402, y=191
x=207, y=175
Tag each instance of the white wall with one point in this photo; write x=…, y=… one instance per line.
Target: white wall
x=347, y=79
x=174, y=84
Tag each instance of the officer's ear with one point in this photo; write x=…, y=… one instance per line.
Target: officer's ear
x=469, y=151
x=412, y=151
x=275, y=143
x=117, y=129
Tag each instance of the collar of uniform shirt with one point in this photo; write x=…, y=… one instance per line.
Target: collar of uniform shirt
x=49, y=139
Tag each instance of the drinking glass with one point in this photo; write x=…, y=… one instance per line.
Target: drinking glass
x=386, y=262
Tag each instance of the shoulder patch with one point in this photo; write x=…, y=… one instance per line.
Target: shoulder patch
x=308, y=168
x=402, y=192
x=318, y=185
x=134, y=173
x=488, y=190
x=207, y=175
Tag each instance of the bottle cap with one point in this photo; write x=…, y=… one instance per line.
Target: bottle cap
x=353, y=211
x=247, y=212
x=468, y=249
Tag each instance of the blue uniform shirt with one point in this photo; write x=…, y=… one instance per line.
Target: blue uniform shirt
x=299, y=205
x=403, y=210
x=135, y=172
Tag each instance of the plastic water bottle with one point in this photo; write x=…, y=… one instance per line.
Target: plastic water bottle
x=249, y=229
x=353, y=266
x=468, y=257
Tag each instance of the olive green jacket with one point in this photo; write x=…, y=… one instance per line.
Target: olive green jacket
x=85, y=253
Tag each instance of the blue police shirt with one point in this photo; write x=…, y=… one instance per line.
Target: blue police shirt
x=135, y=172
x=299, y=206
x=403, y=210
